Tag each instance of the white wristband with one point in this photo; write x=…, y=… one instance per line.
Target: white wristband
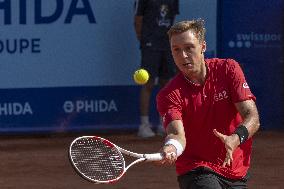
x=177, y=145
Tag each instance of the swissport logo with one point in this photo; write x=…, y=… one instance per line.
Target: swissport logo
x=256, y=40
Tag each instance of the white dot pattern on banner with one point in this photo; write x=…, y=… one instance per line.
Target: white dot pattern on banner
x=231, y=44
x=239, y=44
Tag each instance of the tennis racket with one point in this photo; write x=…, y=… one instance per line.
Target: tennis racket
x=100, y=161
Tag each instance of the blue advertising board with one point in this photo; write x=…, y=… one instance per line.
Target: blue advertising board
x=252, y=33
x=67, y=64
x=68, y=109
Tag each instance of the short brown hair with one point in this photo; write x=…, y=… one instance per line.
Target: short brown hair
x=196, y=26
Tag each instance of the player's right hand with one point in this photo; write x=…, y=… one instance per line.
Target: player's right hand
x=170, y=155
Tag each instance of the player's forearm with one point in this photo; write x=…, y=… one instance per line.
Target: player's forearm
x=251, y=122
x=250, y=116
x=175, y=130
x=138, y=26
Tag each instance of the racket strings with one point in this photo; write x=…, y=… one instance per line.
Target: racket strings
x=96, y=160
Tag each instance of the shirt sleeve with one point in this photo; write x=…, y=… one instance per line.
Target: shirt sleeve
x=139, y=7
x=238, y=85
x=169, y=107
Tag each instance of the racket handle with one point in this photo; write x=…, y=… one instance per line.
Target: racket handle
x=153, y=157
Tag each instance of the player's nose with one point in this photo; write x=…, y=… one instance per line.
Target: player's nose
x=184, y=53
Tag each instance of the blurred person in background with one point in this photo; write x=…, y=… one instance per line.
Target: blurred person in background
x=152, y=20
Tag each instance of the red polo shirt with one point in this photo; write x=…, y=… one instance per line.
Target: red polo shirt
x=203, y=108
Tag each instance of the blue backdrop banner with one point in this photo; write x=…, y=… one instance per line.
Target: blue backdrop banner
x=68, y=64
x=252, y=32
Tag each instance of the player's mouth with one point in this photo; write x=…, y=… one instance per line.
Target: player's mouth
x=188, y=65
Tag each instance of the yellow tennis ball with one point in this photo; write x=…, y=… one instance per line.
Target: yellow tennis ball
x=141, y=76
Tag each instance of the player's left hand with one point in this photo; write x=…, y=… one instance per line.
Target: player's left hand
x=231, y=143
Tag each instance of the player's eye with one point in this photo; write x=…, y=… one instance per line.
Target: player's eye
x=176, y=50
x=188, y=49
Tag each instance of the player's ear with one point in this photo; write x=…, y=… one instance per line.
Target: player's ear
x=203, y=47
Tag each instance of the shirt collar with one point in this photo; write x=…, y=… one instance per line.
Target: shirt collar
x=206, y=77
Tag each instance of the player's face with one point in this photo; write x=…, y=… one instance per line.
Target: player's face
x=188, y=52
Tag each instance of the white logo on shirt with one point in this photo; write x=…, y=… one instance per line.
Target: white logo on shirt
x=245, y=85
x=220, y=96
x=164, y=10
x=149, y=44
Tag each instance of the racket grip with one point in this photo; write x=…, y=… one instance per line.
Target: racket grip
x=153, y=157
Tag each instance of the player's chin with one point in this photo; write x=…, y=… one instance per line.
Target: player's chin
x=187, y=72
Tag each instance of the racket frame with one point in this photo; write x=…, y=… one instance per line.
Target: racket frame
x=140, y=158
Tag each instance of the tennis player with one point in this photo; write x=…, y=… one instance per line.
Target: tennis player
x=209, y=114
